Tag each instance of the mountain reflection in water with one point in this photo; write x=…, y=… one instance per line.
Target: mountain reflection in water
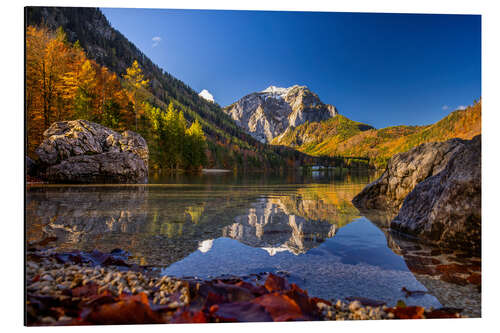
x=272, y=227
x=208, y=226
x=161, y=224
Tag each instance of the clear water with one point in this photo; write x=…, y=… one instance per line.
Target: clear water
x=223, y=224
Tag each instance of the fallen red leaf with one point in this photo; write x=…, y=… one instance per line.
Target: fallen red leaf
x=276, y=283
x=474, y=279
x=408, y=312
x=320, y=300
x=256, y=290
x=103, y=298
x=451, y=278
x=141, y=297
x=280, y=307
x=305, y=303
x=241, y=312
x=129, y=310
x=213, y=298
x=188, y=317
x=88, y=290
x=452, y=268
x=439, y=313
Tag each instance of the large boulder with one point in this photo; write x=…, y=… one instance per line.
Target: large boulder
x=445, y=209
x=31, y=167
x=404, y=171
x=80, y=151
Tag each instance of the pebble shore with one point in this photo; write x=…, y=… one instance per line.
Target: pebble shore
x=48, y=277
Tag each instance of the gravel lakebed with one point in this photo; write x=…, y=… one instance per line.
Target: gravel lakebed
x=77, y=288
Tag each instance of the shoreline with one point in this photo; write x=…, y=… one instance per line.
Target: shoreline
x=79, y=288
x=215, y=171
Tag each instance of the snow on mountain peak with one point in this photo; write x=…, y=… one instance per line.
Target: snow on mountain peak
x=279, y=92
x=206, y=95
x=276, y=90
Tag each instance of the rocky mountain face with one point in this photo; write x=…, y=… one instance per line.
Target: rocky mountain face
x=110, y=48
x=269, y=113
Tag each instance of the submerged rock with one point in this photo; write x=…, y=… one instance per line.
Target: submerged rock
x=80, y=151
x=446, y=208
x=404, y=171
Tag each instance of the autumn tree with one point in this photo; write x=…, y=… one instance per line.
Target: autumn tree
x=48, y=56
x=194, y=152
x=36, y=43
x=63, y=84
x=111, y=100
x=84, y=84
x=135, y=78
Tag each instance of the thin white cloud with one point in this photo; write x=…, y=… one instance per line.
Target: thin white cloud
x=156, y=41
x=461, y=107
x=445, y=107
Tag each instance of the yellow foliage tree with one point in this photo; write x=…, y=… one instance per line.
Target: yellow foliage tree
x=47, y=59
x=135, y=77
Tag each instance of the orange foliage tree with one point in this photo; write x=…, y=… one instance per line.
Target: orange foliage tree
x=63, y=84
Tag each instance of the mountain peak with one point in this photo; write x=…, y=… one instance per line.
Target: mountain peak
x=274, y=89
x=270, y=112
x=206, y=95
x=280, y=91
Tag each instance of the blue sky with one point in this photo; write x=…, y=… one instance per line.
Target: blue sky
x=381, y=69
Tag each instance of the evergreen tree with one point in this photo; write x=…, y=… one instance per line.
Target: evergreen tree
x=180, y=139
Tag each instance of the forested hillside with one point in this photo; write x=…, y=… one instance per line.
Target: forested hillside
x=341, y=136
x=78, y=66
x=63, y=84
x=328, y=133
x=86, y=34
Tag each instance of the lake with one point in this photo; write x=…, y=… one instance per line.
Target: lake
x=211, y=225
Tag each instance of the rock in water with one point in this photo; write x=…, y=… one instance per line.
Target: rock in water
x=445, y=209
x=80, y=151
x=404, y=171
